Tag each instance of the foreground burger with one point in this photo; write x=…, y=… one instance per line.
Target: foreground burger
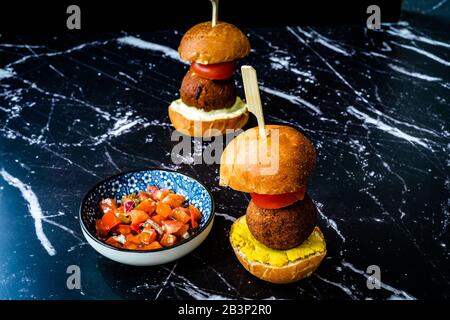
x=277, y=240
x=209, y=104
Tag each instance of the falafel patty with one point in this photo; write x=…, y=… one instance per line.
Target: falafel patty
x=283, y=228
x=207, y=94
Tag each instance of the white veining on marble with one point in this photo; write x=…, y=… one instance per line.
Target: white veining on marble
x=413, y=74
x=397, y=294
x=146, y=45
x=344, y=288
x=385, y=127
x=33, y=207
x=292, y=98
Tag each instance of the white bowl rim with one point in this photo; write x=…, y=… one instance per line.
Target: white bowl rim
x=182, y=242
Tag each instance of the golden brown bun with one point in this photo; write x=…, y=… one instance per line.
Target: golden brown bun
x=284, y=171
x=291, y=272
x=207, y=45
x=205, y=128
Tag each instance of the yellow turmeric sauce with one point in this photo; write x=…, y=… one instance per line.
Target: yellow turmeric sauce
x=254, y=250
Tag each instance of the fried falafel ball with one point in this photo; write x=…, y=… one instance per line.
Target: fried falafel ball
x=207, y=94
x=283, y=228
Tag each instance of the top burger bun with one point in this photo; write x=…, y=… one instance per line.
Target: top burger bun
x=285, y=168
x=208, y=45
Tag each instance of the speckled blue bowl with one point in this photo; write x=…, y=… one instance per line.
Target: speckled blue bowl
x=131, y=182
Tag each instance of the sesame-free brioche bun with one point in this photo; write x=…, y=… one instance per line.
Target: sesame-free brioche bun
x=206, y=44
x=290, y=272
x=205, y=128
x=281, y=165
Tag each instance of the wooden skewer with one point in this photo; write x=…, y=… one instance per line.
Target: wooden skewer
x=215, y=12
x=252, y=97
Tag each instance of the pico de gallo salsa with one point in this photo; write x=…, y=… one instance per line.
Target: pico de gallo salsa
x=148, y=220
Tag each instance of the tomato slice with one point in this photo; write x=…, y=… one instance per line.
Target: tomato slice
x=216, y=71
x=276, y=201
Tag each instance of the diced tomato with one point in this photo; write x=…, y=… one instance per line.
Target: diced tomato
x=168, y=240
x=172, y=226
x=113, y=242
x=181, y=214
x=123, y=229
x=152, y=232
x=157, y=194
x=135, y=239
x=180, y=233
x=108, y=205
x=276, y=201
x=164, y=210
x=147, y=205
x=152, y=246
x=138, y=216
x=110, y=220
x=216, y=71
x=102, y=230
x=130, y=246
x=195, y=212
x=174, y=200
x=147, y=236
x=143, y=195
x=158, y=219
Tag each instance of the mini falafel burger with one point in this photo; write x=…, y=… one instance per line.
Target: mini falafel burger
x=277, y=240
x=208, y=103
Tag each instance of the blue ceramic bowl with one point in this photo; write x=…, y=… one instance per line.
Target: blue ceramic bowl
x=131, y=182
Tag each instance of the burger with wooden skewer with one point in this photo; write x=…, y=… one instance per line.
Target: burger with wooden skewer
x=277, y=240
x=208, y=104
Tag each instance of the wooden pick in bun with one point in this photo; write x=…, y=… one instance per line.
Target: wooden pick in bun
x=208, y=93
x=287, y=273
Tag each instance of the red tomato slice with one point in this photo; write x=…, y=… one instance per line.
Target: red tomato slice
x=172, y=226
x=216, y=71
x=276, y=201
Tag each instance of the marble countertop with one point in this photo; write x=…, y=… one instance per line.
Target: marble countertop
x=75, y=109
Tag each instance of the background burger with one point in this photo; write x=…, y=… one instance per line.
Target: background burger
x=209, y=104
x=277, y=240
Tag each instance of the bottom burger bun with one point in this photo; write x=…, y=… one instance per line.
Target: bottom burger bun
x=218, y=124
x=277, y=266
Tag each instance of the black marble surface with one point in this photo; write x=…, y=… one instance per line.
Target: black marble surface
x=76, y=109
